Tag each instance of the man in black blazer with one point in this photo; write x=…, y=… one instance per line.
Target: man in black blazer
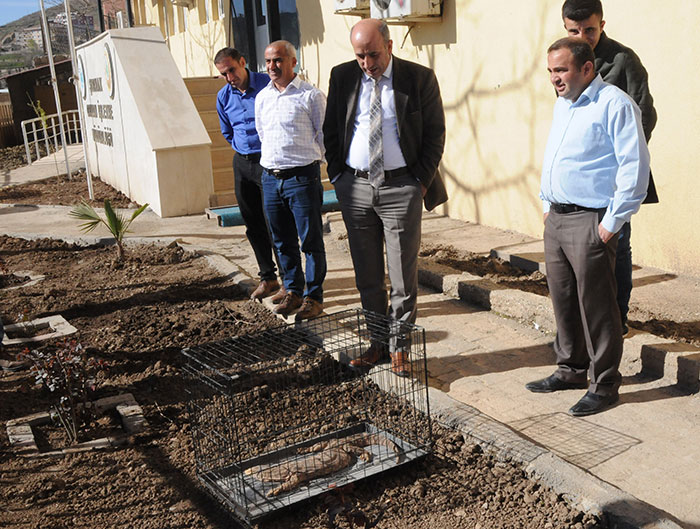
x=385, y=205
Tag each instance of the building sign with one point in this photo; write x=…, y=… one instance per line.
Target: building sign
x=99, y=83
x=143, y=134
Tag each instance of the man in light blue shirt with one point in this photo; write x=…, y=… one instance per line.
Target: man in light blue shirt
x=594, y=178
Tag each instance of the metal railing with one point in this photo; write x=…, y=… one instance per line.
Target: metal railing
x=47, y=131
x=7, y=125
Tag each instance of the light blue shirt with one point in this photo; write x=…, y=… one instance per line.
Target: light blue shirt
x=358, y=153
x=596, y=154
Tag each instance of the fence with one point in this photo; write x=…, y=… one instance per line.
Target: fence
x=7, y=125
x=45, y=132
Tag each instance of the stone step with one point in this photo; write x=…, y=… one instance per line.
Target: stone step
x=204, y=102
x=218, y=140
x=204, y=85
x=210, y=119
x=221, y=158
x=223, y=182
x=650, y=355
x=528, y=256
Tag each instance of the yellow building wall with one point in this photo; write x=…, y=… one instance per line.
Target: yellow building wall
x=194, y=32
x=490, y=59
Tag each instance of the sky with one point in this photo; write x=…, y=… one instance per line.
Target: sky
x=11, y=10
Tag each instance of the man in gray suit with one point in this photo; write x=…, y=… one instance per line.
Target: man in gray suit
x=384, y=134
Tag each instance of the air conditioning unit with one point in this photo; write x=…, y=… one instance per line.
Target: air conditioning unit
x=183, y=3
x=352, y=7
x=408, y=10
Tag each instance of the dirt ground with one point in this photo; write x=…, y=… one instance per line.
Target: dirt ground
x=492, y=268
x=60, y=191
x=137, y=317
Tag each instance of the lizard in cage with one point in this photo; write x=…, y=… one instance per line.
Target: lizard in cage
x=326, y=457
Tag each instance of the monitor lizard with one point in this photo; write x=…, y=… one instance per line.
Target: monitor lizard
x=326, y=457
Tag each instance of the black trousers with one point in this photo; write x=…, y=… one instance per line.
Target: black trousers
x=581, y=280
x=249, y=193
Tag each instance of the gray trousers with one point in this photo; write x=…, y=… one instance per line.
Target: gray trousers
x=373, y=217
x=581, y=280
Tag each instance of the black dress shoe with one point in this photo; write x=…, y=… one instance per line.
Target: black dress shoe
x=591, y=403
x=553, y=383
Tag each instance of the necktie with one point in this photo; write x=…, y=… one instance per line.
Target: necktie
x=376, y=154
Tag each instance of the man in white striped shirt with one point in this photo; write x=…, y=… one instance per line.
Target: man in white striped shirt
x=289, y=118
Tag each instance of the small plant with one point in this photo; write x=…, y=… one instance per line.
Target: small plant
x=117, y=224
x=72, y=377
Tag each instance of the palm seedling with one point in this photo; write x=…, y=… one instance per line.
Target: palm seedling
x=116, y=223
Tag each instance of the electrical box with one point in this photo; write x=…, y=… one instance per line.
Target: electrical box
x=406, y=10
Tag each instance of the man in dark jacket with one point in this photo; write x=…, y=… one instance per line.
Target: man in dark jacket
x=619, y=66
x=384, y=134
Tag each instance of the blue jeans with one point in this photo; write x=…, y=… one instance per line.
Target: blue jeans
x=293, y=207
x=623, y=270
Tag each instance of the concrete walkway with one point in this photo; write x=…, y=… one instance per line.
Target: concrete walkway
x=51, y=165
x=648, y=446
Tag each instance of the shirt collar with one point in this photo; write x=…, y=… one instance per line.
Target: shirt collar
x=256, y=81
x=591, y=91
x=296, y=83
x=387, y=73
x=253, y=83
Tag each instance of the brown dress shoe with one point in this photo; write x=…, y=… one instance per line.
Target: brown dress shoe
x=289, y=304
x=277, y=298
x=400, y=365
x=371, y=356
x=265, y=288
x=309, y=309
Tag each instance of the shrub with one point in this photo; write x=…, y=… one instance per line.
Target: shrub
x=72, y=378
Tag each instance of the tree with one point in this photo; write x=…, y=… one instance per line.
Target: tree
x=117, y=224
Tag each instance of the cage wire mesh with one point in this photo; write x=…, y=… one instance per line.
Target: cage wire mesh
x=279, y=416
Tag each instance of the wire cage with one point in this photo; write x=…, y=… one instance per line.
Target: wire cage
x=279, y=416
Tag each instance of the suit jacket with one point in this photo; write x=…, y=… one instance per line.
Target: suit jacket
x=420, y=116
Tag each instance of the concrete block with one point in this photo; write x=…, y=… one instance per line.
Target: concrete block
x=678, y=363
x=132, y=417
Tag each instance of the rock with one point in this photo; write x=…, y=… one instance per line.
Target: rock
x=418, y=490
x=181, y=506
x=460, y=513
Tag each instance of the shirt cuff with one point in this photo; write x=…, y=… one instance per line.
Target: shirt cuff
x=612, y=224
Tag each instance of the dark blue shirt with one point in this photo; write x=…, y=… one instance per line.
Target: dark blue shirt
x=237, y=113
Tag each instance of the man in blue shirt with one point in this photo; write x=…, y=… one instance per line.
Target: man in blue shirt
x=594, y=178
x=235, y=104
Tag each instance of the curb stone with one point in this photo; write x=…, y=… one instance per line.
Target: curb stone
x=582, y=489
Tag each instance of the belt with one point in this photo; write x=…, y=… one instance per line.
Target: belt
x=394, y=173
x=283, y=174
x=563, y=209
x=253, y=156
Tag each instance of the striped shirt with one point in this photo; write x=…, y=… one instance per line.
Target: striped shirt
x=290, y=124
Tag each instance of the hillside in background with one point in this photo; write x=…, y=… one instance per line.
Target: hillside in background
x=34, y=19
x=28, y=21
